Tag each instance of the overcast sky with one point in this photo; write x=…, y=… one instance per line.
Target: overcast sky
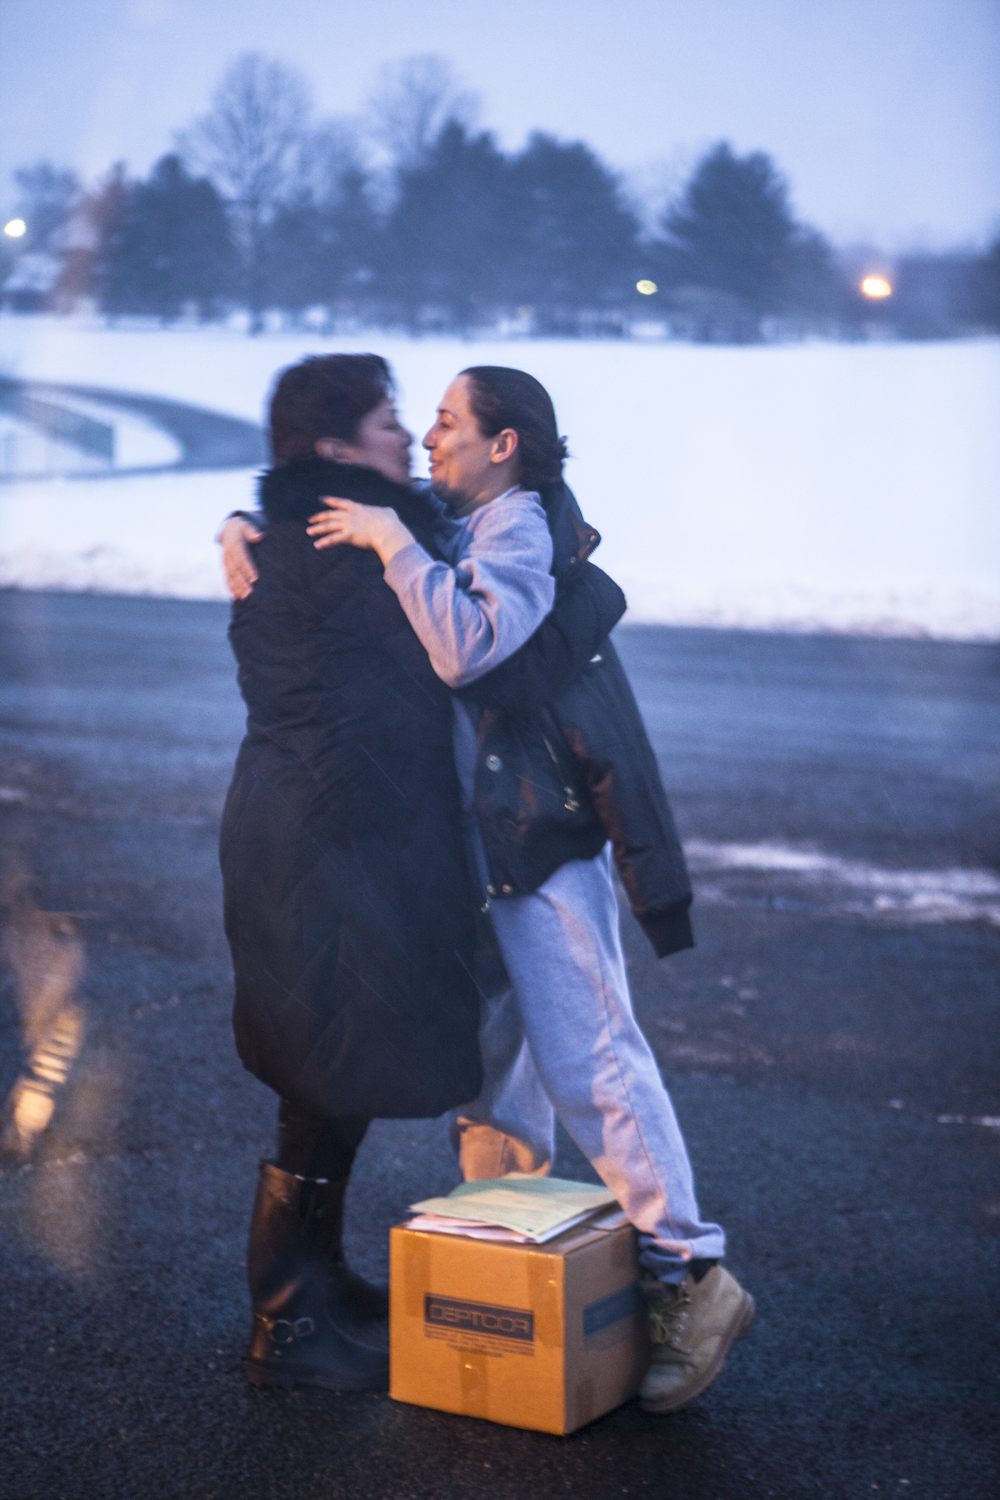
x=884, y=114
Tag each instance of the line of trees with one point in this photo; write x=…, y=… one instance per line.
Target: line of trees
x=419, y=219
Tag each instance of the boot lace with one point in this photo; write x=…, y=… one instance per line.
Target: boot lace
x=667, y=1320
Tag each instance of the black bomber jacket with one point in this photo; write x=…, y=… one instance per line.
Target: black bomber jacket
x=558, y=776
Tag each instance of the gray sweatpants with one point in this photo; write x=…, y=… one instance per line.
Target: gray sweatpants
x=563, y=1041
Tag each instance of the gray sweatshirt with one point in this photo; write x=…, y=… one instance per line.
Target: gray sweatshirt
x=472, y=615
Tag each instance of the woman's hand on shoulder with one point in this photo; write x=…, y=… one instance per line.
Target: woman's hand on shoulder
x=347, y=523
x=236, y=537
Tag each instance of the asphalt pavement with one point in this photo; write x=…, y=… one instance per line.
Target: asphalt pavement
x=831, y=1047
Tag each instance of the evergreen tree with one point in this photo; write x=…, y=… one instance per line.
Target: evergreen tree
x=168, y=243
x=323, y=250
x=575, y=241
x=732, y=231
x=810, y=281
x=982, y=295
x=448, y=235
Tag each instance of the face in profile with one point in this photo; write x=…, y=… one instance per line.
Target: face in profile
x=381, y=443
x=462, y=460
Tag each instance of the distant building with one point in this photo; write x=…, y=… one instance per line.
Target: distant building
x=31, y=285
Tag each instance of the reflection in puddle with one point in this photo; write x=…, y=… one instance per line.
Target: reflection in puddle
x=62, y=1212
x=44, y=952
x=32, y=1100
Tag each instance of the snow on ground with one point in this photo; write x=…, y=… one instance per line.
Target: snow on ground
x=825, y=881
x=145, y=534
x=830, y=486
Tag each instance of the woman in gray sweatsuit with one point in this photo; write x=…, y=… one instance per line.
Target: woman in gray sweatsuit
x=563, y=1040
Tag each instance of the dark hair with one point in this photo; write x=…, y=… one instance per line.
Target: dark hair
x=326, y=395
x=512, y=398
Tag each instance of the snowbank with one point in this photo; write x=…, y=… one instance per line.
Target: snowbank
x=147, y=534
x=845, y=487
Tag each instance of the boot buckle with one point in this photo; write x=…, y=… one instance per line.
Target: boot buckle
x=300, y=1329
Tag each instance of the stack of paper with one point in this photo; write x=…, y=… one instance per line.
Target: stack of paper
x=517, y=1208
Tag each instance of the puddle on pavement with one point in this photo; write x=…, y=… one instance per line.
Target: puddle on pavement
x=44, y=953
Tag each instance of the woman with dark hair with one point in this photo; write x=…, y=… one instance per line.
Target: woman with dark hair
x=504, y=398
x=347, y=903
x=546, y=789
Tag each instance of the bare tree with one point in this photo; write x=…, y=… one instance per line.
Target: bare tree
x=412, y=102
x=46, y=198
x=249, y=144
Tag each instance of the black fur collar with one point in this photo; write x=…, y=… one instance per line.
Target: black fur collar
x=292, y=491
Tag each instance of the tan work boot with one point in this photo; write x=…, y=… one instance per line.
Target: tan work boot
x=692, y=1328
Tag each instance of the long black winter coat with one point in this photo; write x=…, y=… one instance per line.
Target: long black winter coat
x=347, y=905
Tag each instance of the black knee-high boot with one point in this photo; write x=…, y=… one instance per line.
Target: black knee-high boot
x=322, y=1151
x=309, y=1310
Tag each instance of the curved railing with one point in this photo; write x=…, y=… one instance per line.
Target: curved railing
x=207, y=439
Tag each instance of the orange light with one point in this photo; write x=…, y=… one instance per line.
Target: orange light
x=876, y=286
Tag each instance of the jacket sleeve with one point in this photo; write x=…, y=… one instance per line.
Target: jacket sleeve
x=477, y=613
x=601, y=722
x=588, y=605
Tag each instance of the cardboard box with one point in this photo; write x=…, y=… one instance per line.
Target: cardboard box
x=541, y=1336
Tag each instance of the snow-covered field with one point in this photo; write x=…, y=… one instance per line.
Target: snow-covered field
x=846, y=487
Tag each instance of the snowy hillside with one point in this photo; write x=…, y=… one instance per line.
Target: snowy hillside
x=848, y=487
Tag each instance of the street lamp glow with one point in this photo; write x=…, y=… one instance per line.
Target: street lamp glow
x=647, y=288
x=15, y=228
x=876, y=286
